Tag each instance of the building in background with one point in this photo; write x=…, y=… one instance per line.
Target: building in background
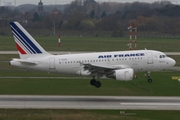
x=40, y=6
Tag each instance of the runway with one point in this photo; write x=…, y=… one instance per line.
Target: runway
x=89, y=102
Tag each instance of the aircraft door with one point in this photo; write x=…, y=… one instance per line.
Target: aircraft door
x=149, y=58
x=52, y=64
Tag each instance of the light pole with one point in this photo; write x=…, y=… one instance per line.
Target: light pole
x=54, y=27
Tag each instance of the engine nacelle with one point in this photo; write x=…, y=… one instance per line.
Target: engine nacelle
x=83, y=73
x=123, y=74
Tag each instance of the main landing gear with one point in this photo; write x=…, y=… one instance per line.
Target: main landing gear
x=149, y=78
x=95, y=83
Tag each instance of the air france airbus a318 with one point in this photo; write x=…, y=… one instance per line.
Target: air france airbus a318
x=120, y=65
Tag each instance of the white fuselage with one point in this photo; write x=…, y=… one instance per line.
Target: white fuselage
x=138, y=60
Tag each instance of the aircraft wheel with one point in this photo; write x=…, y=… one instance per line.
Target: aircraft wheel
x=150, y=80
x=97, y=84
x=92, y=82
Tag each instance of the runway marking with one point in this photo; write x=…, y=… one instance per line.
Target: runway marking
x=152, y=104
x=89, y=102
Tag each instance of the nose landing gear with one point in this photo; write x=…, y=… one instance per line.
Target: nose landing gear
x=149, y=76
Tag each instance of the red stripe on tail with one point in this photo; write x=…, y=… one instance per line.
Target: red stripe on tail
x=20, y=49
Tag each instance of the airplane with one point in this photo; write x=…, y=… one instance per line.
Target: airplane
x=120, y=65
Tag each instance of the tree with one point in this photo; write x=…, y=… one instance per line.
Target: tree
x=74, y=20
x=76, y=4
x=103, y=15
x=92, y=15
x=89, y=6
x=36, y=17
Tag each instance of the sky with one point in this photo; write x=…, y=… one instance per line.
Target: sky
x=48, y=2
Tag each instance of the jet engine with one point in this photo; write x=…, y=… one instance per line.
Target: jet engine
x=83, y=73
x=122, y=74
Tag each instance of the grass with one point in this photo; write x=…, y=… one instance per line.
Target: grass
x=50, y=43
x=162, y=85
x=12, y=114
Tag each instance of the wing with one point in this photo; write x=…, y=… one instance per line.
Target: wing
x=102, y=69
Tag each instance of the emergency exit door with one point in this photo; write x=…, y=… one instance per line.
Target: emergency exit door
x=149, y=58
x=52, y=63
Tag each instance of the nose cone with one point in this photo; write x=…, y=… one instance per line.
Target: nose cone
x=172, y=62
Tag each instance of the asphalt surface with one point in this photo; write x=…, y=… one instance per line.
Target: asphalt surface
x=89, y=102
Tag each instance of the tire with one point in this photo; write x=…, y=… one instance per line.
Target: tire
x=97, y=84
x=92, y=82
x=150, y=80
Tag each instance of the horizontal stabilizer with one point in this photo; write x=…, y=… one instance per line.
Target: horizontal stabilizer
x=25, y=61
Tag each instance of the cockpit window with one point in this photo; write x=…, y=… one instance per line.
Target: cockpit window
x=162, y=56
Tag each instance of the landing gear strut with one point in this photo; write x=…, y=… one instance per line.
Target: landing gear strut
x=149, y=78
x=95, y=83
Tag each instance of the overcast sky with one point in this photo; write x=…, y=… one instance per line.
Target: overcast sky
x=47, y=2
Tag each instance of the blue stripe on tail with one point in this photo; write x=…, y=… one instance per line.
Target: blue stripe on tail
x=24, y=39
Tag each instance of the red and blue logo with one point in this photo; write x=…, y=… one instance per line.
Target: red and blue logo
x=24, y=43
